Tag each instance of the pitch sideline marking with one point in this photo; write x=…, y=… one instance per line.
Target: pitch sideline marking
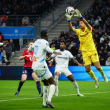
x=58, y=96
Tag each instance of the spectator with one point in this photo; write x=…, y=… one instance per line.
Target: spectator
x=12, y=46
x=55, y=39
x=1, y=37
x=72, y=43
x=62, y=34
x=25, y=21
x=78, y=58
x=1, y=55
x=0, y=20
x=4, y=18
x=107, y=62
x=8, y=50
x=4, y=55
x=102, y=61
x=102, y=38
x=57, y=45
x=53, y=46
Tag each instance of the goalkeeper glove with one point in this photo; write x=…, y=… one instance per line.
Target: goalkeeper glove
x=78, y=14
x=68, y=17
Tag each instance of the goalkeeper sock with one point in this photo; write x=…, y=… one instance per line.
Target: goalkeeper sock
x=38, y=86
x=76, y=86
x=101, y=71
x=91, y=74
x=45, y=94
x=20, y=85
x=56, y=81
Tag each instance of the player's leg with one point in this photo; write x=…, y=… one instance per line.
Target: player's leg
x=46, y=75
x=99, y=68
x=57, y=74
x=91, y=74
x=69, y=75
x=87, y=57
x=23, y=79
x=51, y=81
x=45, y=92
x=38, y=85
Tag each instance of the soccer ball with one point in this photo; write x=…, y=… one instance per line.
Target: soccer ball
x=70, y=10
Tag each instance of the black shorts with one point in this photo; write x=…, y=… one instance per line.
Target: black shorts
x=27, y=71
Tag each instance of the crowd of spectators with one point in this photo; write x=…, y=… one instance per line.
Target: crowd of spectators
x=24, y=7
x=99, y=18
x=6, y=51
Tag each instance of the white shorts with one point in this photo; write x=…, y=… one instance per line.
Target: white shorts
x=42, y=71
x=63, y=70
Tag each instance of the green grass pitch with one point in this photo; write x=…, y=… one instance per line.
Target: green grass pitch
x=28, y=99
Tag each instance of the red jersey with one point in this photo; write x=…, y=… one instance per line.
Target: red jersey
x=28, y=60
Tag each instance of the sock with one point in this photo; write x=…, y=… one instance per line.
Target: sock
x=91, y=74
x=20, y=85
x=56, y=81
x=38, y=86
x=45, y=94
x=101, y=71
x=51, y=92
x=76, y=86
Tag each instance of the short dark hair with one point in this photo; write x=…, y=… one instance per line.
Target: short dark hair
x=30, y=42
x=43, y=33
x=63, y=42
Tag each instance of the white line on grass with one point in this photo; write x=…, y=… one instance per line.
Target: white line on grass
x=59, y=96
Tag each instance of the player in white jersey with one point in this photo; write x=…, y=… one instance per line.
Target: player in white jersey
x=62, y=66
x=41, y=47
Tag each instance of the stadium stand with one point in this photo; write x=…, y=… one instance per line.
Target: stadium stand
x=12, y=11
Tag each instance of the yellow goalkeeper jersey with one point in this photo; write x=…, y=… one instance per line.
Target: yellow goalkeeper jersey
x=86, y=40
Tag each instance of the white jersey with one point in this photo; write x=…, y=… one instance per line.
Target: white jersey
x=40, y=47
x=62, y=60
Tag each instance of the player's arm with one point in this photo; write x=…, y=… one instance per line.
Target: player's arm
x=48, y=49
x=68, y=17
x=1, y=44
x=75, y=61
x=24, y=55
x=78, y=14
x=86, y=23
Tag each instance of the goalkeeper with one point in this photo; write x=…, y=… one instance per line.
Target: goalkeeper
x=89, y=52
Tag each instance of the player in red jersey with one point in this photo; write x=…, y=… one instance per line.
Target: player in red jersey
x=27, y=70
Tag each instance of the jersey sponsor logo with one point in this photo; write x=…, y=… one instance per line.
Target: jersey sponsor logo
x=85, y=34
x=63, y=57
x=35, y=59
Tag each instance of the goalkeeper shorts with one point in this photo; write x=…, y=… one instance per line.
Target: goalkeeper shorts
x=89, y=57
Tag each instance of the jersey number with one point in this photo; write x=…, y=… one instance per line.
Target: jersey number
x=36, y=50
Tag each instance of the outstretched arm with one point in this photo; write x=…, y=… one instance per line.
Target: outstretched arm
x=78, y=14
x=75, y=61
x=87, y=24
x=69, y=17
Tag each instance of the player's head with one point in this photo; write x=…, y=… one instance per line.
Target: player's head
x=44, y=34
x=82, y=25
x=62, y=45
x=30, y=43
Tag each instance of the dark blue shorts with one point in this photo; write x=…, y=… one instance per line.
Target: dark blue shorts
x=27, y=71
